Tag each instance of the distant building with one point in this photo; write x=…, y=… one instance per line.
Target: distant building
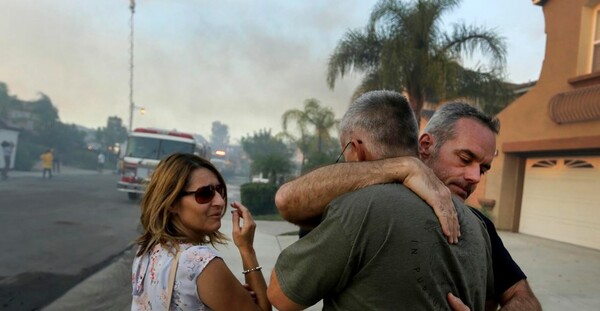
x=21, y=119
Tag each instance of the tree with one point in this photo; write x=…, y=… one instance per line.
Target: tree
x=45, y=122
x=320, y=119
x=113, y=133
x=49, y=132
x=315, y=159
x=45, y=130
x=41, y=129
x=45, y=114
x=5, y=101
x=219, y=137
x=270, y=156
x=403, y=49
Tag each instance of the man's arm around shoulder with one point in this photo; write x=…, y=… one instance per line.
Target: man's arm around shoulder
x=305, y=198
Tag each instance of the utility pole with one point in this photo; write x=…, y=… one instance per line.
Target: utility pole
x=131, y=104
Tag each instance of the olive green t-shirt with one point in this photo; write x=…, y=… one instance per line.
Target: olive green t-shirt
x=382, y=248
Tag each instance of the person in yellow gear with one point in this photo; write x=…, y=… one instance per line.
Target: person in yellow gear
x=47, y=159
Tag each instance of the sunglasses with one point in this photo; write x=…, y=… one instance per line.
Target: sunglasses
x=205, y=194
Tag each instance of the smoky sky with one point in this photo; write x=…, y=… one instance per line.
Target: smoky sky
x=242, y=63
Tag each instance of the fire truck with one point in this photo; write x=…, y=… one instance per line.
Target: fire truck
x=145, y=147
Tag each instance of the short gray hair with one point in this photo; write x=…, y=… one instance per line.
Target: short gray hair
x=388, y=120
x=441, y=124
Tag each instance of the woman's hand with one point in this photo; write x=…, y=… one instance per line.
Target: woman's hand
x=456, y=304
x=243, y=235
x=251, y=292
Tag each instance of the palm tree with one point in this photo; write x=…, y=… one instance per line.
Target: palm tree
x=403, y=48
x=269, y=154
x=322, y=119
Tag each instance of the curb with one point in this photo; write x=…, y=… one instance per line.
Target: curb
x=102, y=290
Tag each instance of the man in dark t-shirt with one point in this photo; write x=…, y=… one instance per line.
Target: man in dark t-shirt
x=501, y=260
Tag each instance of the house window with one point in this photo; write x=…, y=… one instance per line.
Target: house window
x=545, y=163
x=596, y=44
x=571, y=163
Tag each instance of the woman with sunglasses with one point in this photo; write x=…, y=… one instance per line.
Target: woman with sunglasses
x=181, y=214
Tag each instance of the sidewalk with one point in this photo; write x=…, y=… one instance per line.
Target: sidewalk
x=562, y=276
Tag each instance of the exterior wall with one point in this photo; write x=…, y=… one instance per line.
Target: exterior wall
x=526, y=127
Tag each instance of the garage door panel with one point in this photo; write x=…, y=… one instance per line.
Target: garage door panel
x=562, y=202
x=558, y=222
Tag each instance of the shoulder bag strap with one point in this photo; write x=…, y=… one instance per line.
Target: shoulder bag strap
x=172, y=273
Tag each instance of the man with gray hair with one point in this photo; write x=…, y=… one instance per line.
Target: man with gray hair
x=381, y=247
x=458, y=146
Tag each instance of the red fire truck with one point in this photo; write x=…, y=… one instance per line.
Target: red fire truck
x=145, y=147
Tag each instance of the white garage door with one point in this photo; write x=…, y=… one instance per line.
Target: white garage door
x=561, y=200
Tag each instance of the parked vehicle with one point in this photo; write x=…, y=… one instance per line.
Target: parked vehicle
x=145, y=148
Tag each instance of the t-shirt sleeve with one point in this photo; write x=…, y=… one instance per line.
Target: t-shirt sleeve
x=318, y=264
x=506, y=270
x=194, y=260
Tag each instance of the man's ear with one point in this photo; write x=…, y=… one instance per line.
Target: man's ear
x=426, y=142
x=353, y=154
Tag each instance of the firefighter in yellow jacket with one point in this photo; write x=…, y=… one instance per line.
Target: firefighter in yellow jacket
x=47, y=159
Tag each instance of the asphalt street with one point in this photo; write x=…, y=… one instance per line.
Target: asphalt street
x=57, y=232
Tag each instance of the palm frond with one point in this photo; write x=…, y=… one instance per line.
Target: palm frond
x=358, y=50
x=468, y=39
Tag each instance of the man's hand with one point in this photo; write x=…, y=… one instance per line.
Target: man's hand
x=422, y=181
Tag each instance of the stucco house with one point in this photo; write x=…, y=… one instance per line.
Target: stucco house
x=545, y=179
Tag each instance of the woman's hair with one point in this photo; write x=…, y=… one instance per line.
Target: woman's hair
x=160, y=224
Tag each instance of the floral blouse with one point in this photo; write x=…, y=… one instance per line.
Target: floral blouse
x=150, y=278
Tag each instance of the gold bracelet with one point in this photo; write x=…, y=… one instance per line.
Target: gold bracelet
x=253, y=269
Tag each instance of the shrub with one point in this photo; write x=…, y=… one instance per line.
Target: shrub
x=27, y=155
x=83, y=158
x=259, y=198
